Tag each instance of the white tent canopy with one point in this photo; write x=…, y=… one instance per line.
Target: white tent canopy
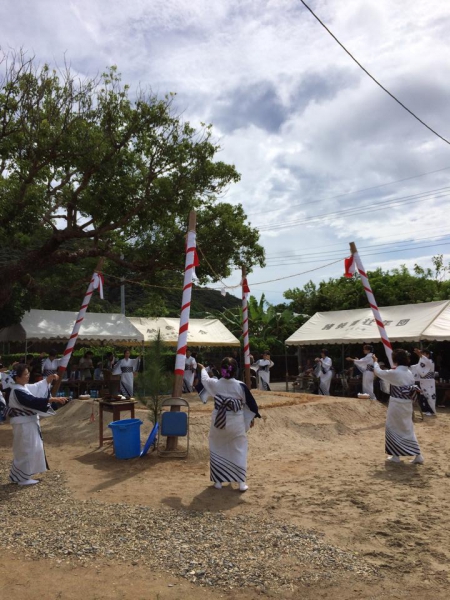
x=39, y=325
x=439, y=330
x=405, y=323
x=202, y=332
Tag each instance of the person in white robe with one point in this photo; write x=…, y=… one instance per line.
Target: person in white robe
x=365, y=366
x=262, y=368
x=401, y=439
x=126, y=368
x=425, y=371
x=27, y=404
x=234, y=412
x=50, y=364
x=190, y=367
x=324, y=371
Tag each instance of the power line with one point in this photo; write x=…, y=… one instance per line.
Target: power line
x=368, y=189
x=330, y=253
x=372, y=77
x=359, y=209
x=282, y=264
x=281, y=254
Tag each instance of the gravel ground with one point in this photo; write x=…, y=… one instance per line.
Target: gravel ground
x=208, y=548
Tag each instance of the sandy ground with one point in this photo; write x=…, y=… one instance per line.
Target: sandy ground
x=317, y=463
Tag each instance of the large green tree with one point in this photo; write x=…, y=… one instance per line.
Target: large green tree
x=87, y=170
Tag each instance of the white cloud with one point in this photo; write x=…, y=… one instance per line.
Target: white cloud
x=301, y=122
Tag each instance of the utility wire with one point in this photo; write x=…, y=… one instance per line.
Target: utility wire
x=331, y=253
x=372, y=77
x=394, y=203
x=444, y=234
x=368, y=189
x=282, y=264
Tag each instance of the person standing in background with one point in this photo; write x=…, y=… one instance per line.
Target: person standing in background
x=365, y=365
x=264, y=365
x=425, y=371
x=126, y=368
x=190, y=366
x=324, y=371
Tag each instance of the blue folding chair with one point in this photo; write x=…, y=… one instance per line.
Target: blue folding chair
x=173, y=423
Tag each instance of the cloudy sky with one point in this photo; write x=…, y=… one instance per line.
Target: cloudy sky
x=326, y=156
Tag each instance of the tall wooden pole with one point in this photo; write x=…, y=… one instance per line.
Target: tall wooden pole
x=191, y=253
x=247, y=378
x=77, y=325
x=180, y=360
x=372, y=302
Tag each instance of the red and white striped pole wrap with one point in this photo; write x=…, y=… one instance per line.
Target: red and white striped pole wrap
x=374, y=306
x=96, y=282
x=245, y=294
x=190, y=264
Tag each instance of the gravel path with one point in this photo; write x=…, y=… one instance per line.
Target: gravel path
x=208, y=548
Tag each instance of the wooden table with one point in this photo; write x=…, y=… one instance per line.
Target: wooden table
x=116, y=407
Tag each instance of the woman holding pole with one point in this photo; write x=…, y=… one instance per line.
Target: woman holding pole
x=234, y=412
x=28, y=402
x=401, y=439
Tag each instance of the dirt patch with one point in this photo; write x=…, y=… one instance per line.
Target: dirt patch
x=314, y=463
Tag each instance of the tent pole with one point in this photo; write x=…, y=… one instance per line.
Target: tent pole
x=286, y=364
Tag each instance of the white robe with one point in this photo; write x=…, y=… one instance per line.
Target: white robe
x=28, y=447
x=425, y=371
x=125, y=368
x=401, y=439
x=228, y=446
x=189, y=374
x=365, y=365
x=325, y=375
x=49, y=367
x=264, y=367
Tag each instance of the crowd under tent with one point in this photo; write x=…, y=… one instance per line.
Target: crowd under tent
x=56, y=326
x=202, y=332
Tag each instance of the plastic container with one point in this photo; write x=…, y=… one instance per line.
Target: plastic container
x=126, y=438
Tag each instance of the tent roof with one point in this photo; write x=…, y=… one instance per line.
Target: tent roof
x=439, y=329
x=405, y=323
x=57, y=325
x=202, y=332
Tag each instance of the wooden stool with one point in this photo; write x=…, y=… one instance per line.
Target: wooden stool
x=116, y=407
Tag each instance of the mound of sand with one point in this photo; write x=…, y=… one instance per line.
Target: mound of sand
x=286, y=420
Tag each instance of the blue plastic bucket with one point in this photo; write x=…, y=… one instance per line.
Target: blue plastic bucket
x=126, y=438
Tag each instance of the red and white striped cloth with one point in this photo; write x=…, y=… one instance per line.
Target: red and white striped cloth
x=189, y=271
x=352, y=264
x=245, y=295
x=95, y=283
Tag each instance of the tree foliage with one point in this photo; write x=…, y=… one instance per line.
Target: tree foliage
x=87, y=170
x=269, y=325
x=398, y=286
